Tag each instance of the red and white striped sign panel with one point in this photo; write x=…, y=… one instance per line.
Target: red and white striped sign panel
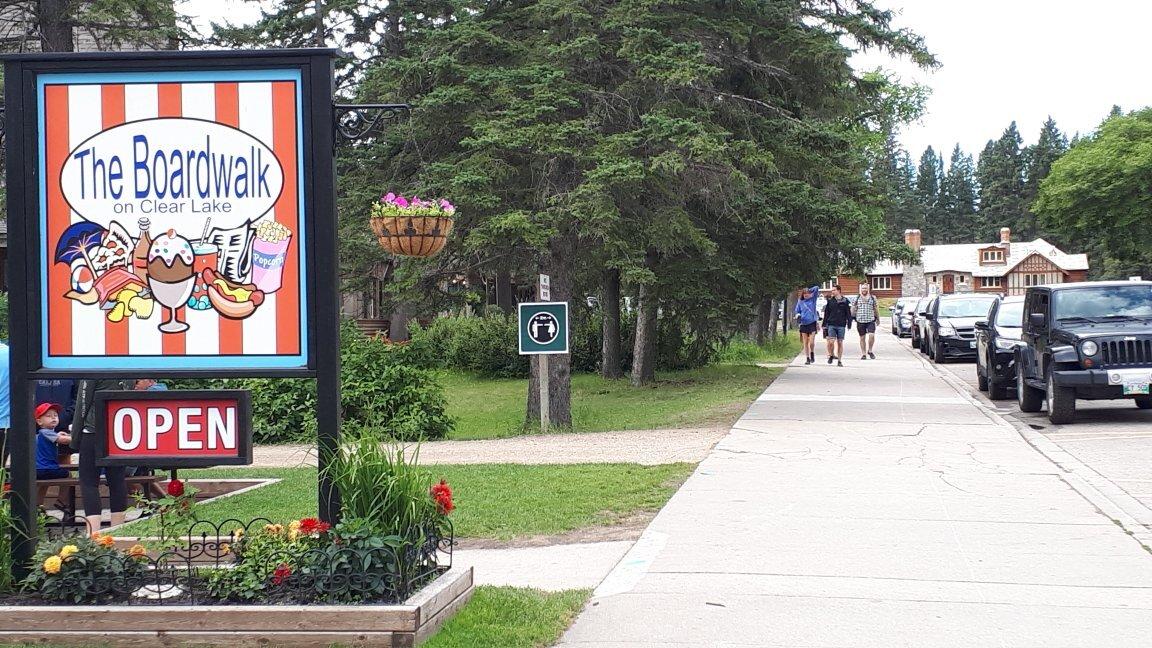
x=172, y=220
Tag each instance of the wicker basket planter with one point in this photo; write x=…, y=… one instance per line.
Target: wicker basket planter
x=415, y=236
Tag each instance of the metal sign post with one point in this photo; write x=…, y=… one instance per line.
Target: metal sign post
x=544, y=380
x=172, y=215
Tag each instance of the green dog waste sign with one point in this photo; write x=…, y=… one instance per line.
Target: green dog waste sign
x=543, y=328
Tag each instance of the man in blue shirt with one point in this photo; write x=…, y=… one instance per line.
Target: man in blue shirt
x=5, y=403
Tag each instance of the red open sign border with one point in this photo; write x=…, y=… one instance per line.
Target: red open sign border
x=243, y=455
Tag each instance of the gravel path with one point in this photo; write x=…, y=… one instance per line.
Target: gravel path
x=647, y=447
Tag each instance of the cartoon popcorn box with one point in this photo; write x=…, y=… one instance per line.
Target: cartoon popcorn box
x=269, y=250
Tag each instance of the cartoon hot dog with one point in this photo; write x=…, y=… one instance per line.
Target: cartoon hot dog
x=230, y=299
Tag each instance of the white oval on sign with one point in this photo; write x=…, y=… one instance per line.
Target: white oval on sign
x=175, y=171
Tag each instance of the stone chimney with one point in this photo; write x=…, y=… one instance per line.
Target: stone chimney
x=1006, y=241
x=913, y=239
x=914, y=283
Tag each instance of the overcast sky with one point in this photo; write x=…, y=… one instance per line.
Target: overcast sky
x=1002, y=60
x=1022, y=60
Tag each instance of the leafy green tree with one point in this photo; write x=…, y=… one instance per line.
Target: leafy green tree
x=1098, y=192
x=1000, y=176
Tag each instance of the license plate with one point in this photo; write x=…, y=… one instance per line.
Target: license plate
x=1135, y=388
x=972, y=344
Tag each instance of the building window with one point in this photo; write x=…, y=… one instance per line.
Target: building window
x=989, y=282
x=1037, y=279
x=962, y=279
x=882, y=283
x=828, y=285
x=992, y=256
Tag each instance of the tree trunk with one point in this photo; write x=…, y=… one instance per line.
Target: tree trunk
x=756, y=327
x=505, y=300
x=644, y=349
x=560, y=266
x=773, y=317
x=611, y=366
x=789, y=308
x=398, y=323
x=55, y=26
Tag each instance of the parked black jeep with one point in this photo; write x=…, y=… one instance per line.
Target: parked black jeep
x=1085, y=340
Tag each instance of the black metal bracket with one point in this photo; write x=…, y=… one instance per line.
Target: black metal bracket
x=355, y=122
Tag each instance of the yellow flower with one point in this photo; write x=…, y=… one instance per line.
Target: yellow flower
x=106, y=541
x=52, y=565
x=294, y=525
x=293, y=534
x=68, y=550
x=225, y=549
x=275, y=529
x=137, y=551
x=238, y=532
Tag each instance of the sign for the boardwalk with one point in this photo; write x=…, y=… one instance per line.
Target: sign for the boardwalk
x=172, y=220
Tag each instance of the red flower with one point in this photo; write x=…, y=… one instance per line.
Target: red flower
x=7, y=487
x=281, y=572
x=175, y=488
x=312, y=526
x=442, y=493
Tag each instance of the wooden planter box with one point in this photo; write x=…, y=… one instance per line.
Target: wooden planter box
x=399, y=626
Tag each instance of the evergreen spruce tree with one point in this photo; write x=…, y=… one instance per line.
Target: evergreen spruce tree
x=929, y=176
x=1000, y=175
x=958, y=193
x=1038, y=160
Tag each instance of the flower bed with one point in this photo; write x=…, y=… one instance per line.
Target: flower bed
x=393, y=547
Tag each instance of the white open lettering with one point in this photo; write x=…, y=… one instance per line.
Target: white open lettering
x=159, y=422
x=132, y=429
x=184, y=415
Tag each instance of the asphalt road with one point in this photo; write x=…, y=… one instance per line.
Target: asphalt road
x=1113, y=438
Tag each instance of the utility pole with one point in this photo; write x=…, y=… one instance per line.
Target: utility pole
x=318, y=36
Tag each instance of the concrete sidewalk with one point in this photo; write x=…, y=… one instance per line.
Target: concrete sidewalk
x=874, y=506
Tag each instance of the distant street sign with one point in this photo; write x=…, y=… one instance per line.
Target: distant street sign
x=543, y=328
x=545, y=288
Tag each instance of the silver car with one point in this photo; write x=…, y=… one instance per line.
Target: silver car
x=902, y=316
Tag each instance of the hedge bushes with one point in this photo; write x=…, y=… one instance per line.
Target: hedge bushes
x=382, y=390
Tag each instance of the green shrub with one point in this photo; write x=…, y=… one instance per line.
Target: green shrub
x=4, y=316
x=486, y=345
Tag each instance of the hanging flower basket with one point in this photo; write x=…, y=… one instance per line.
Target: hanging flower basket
x=412, y=227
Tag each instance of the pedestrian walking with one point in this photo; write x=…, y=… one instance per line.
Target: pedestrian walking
x=866, y=313
x=837, y=318
x=809, y=320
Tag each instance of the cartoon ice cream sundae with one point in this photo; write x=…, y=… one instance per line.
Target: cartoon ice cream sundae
x=171, y=276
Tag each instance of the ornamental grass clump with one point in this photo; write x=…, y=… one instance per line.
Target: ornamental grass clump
x=383, y=485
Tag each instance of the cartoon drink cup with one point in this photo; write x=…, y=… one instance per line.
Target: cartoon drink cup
x=170, y=276
x=206, y=256
x=269, y=250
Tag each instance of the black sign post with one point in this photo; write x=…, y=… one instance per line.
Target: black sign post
x=266, y=304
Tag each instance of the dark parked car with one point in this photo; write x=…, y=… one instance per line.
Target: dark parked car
x=918, y=321
x=996, y=342
x=902, y=316
x=1088, y=340
x=951, y=325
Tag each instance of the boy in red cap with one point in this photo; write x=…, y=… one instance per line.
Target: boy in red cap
x=48, y=442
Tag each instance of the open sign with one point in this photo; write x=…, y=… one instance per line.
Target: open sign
x=174, y=429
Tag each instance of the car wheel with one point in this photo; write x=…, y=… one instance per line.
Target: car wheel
x=981, y=378
x=1144, y=402
x=997, y=390
x=1028, y=398
x=915, y=341
x=938, y=355
x=1061, y=402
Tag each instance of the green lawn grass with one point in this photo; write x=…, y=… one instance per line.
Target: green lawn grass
x=712, y=395
x=498, y=501
x=508, y=617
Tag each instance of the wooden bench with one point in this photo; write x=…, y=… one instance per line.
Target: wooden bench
x=66, y=488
